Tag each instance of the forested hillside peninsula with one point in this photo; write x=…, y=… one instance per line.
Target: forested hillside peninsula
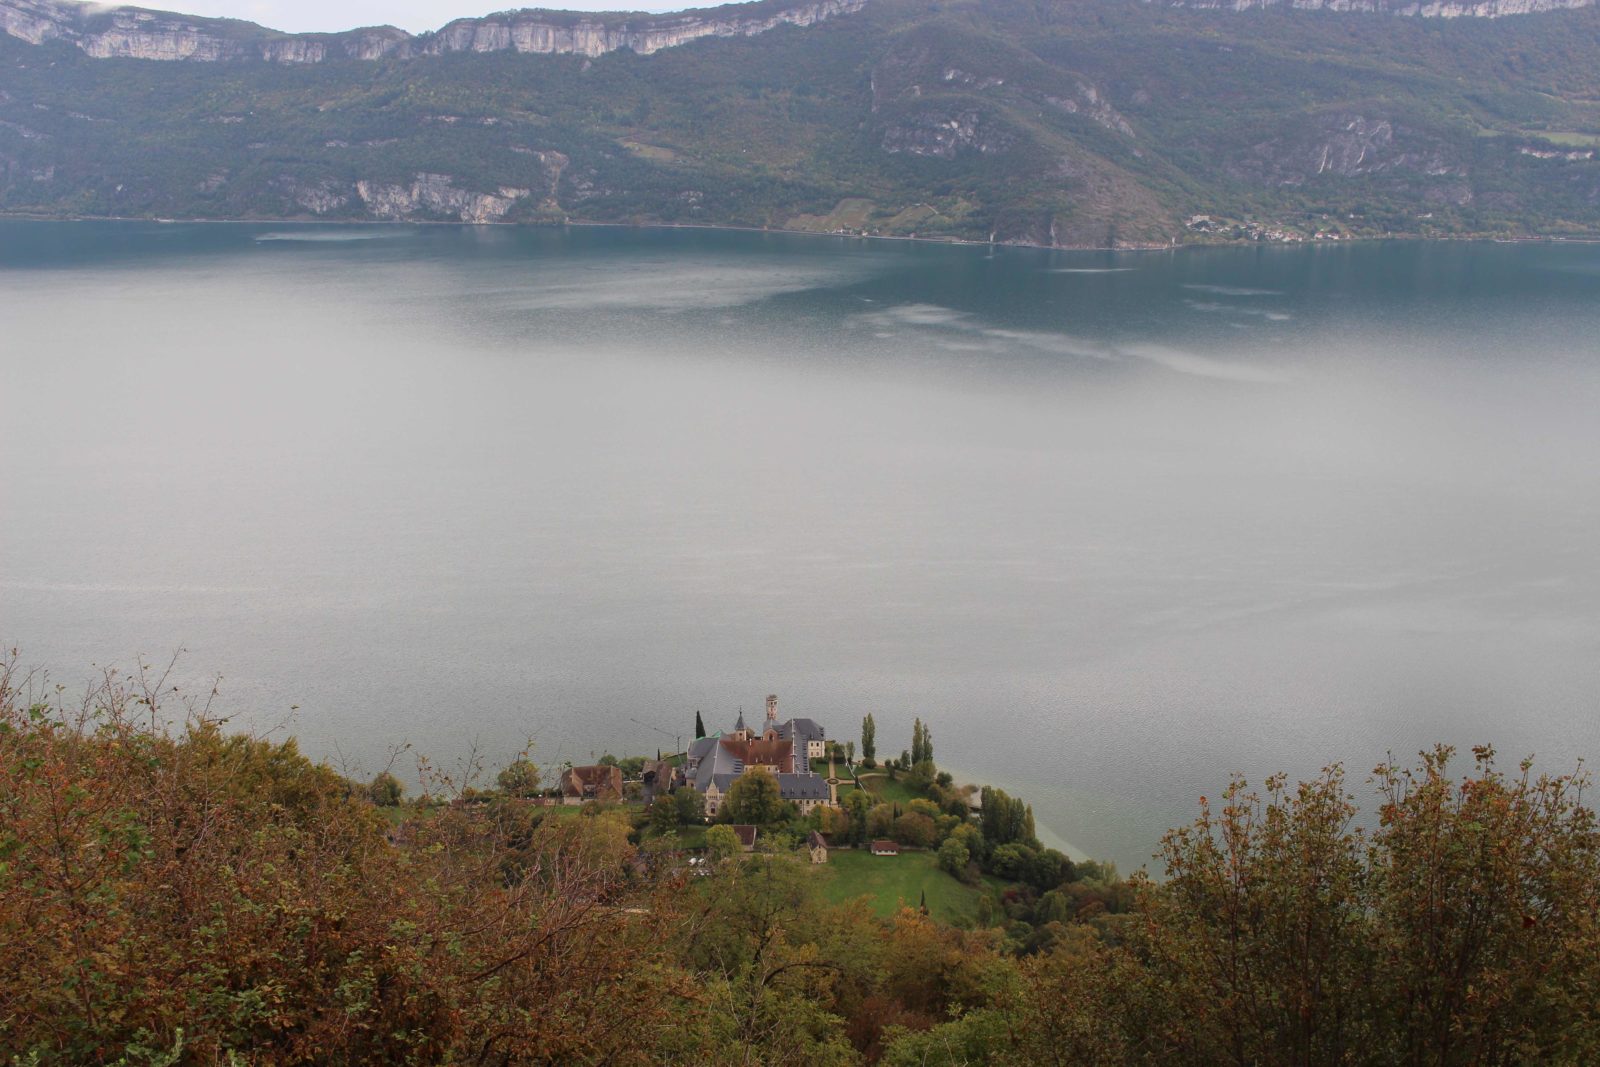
x=175, y=893
x=1074, y=123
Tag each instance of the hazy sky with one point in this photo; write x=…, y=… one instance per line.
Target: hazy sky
x=304, y=16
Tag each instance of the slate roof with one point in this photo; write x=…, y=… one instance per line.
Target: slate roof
x=802, y=787
x=716, y=764
x=801, y=730
x=701, y=746
x=816, y=840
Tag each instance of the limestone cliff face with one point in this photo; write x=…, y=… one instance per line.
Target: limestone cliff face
x=1347, y=144
x=531, y=31
x=134, y=33
x=1440, y=9
x=435, y=195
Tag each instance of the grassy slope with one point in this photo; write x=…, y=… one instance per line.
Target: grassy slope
x=882, y=787
x=893, y=882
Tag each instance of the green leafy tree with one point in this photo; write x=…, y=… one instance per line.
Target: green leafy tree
x=857, y=807
x=663, y=814
x=1459, y=930
x=691, y=805
x=1012, y=861
x=520, y=778
x=921, y=750
x=830, y=822
x=1049, y=869
x=1006, y=819
x=880, y=821
x=914, y=829
x=869, y=741
x=754, y=798
x=385, y=790
x=721, y=844
x=954, y=857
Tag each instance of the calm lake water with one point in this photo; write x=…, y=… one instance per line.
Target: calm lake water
x=1114, y=524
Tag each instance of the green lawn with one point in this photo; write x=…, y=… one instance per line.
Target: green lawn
x=881, y=787
x=892, y=882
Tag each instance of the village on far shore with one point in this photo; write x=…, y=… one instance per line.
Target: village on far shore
x=899, y=831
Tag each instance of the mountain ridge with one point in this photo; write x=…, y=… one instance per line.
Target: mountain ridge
x=128, y=32
x=1073, y=123
x=125, y=32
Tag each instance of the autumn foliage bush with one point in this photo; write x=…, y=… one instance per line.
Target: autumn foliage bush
x=196, y=889
x=176, y=893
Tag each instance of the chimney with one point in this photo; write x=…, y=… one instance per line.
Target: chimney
x=772, y=708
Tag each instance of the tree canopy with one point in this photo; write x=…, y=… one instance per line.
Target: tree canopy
x=196, y=896
x=754, y=797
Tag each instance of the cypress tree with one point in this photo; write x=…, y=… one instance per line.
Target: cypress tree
x=699, y=725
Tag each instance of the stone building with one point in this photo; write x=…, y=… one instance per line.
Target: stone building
x=600, y=782
x=785, y=749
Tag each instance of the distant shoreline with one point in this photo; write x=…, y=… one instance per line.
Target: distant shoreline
x=953, y=241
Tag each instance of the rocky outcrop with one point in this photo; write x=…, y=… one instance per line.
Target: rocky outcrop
x=319, y=198
x=537, y=31
x=436, y=196
x=934, y=131
x=1568, y=154
x=1347, y=145
x=1438, y=9
x=1089, y=101
x=134, y=33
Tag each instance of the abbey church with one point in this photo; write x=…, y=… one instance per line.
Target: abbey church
x=785, y=749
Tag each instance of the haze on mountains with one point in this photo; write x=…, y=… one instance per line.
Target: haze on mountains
x=1081, y=123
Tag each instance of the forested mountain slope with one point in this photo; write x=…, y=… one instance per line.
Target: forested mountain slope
x=1073, y=122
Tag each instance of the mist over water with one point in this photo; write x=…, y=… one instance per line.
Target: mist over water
x=1115, y=525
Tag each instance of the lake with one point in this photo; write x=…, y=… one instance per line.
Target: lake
x=1115, y=525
